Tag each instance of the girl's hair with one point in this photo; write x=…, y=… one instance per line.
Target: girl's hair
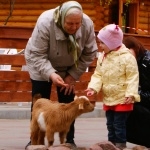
x=132, y=43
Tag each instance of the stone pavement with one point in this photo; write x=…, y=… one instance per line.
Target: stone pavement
x=23, y=111
x=15, y=127
x=14, y=133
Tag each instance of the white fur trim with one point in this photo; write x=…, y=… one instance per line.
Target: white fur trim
x=41, y=122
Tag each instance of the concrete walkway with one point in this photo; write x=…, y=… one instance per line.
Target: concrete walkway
x=15, y=133
x=23, y=111
x=15, y=127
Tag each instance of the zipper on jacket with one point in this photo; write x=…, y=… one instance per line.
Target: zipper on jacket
x=57, y=47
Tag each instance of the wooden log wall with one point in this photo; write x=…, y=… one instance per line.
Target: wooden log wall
x=26, y=12
x=144, y=17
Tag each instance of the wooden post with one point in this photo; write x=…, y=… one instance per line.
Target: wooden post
x=120, y=12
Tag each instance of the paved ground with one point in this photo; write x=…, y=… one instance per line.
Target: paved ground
x=14, y=133
x=23, y=111
x=15, y=130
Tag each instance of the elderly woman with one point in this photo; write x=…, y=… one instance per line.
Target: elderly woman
x=138, y=123
x=59, y=50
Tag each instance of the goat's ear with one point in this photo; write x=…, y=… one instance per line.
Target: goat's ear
x=76, y=97
x=81, y=106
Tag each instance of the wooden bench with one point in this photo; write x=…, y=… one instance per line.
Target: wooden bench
x=15, y=84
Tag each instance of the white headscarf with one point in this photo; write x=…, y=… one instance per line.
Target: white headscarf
x=61, y=11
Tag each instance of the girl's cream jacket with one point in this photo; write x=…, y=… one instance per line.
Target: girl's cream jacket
x=117, y=76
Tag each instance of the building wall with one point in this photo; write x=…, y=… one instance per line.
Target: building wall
x=144, y=17
x=26, y=12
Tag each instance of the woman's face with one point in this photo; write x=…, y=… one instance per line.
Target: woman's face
x=72, y=23
x=103, y=47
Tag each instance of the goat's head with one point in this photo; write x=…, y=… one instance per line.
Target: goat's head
x=84, y=104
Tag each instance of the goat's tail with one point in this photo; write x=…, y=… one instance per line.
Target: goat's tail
x=36, y=97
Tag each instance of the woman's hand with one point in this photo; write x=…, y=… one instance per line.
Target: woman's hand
x=70, y=81
x=57, y=80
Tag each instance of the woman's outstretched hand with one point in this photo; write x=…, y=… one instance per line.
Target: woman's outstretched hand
x=57, y=80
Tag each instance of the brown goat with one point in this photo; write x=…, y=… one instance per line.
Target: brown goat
x=50, y=117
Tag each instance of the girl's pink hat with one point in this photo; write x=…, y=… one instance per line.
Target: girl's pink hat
x=111, y=35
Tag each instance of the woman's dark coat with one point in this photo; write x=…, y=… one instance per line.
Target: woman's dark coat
x=138, y=123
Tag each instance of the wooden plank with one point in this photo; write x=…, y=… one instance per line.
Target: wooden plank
x=18, y=24
x=93, y=98
x=33, y=19
x=29, y=6
x=21, y=18
x=52, y=1
x=26, y=12
x=14, y=75
x=13, y=43
x=85, y=77
x=26, y=96
x=14, y=37
x=15, y=96
x=41, y=5
x=15, y=86
x=9, y=32
x=20, y=12
x=39, y=1
x=18, y=60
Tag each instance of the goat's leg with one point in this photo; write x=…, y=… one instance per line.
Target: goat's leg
x=50, y=137
x=41, y=137
x=62, y=137
x=34, y=132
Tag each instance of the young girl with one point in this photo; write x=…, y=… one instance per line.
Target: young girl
x=117, y=76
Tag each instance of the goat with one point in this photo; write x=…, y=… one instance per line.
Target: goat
x=49, y=117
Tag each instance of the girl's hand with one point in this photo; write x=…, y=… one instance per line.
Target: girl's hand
x=90, y=92
x=129, y=100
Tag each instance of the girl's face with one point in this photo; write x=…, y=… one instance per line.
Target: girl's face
x=103, y=47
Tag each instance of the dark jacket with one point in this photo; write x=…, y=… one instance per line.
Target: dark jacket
x=138, y=123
